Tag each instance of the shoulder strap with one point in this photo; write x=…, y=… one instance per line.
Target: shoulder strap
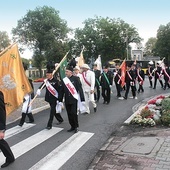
x=106, y=78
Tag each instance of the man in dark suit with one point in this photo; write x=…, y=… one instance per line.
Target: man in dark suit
x=130, y=82
x=140, y=78
x=149, y=72
x=4, y=147
x=97, y=82
x=52, y=85
x=106, y=84
x=158, y=74
x=71, y=85
x=117, y=79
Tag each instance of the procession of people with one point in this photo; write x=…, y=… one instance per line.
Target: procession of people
x=83, y=86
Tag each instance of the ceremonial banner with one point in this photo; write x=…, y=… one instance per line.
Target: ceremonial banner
x=80, y=60
x=63, y=68
x=13, y=81
x=99, y=64
x=123, y=72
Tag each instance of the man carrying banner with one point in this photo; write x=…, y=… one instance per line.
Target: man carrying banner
x=71, y=86
x=4, y=147
x=88, y=84
x=106, y=84
x=53, y=88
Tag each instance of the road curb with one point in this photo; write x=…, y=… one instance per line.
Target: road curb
x=139, y=106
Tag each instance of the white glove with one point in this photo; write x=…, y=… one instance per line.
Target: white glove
x=60, y=103
x=83, y=103
x=110, y=86
x=38, y=92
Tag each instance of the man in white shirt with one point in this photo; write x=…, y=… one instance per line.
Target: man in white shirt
x=88, y=84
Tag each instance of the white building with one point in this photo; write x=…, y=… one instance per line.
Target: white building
x=137, y=55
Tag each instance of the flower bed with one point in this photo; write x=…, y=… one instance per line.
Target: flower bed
x=156, y=111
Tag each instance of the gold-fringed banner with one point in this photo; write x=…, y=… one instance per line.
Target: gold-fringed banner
x=13, y=81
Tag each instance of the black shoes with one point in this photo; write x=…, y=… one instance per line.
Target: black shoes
x=7, y=163
x=95, y=109
x=76, y=130
x=85, y=113
x=71, y=129
x=48, y=127
x=58, y=123
x=104, y=102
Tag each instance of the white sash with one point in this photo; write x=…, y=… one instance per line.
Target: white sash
x=26, y=108
x=70, y=87
x=51, y=89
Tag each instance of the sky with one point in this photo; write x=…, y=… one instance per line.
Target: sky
x=145, y=15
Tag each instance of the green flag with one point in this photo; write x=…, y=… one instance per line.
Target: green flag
x=63, y=68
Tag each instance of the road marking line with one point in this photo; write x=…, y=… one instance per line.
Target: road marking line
x=59, y=156
x=17, y=129
x=31, y=142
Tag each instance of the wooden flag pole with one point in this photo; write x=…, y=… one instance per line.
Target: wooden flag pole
x=52, y=74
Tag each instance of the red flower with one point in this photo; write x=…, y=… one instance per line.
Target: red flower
x=153, y=101
x=160, y=97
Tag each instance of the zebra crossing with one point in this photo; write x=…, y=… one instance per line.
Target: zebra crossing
x=57, y=157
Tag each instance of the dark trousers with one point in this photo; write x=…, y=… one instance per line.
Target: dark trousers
x=97, y=93
x=155, y=82
x=53, y=113
x=150, y=81
x=106, y=94
x=118, y=88
x=133, y=88
x=166, y=84
x=140, y=88
x=4, y=147
x=72, y=115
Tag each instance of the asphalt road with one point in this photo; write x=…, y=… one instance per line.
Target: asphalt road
x=73, y=152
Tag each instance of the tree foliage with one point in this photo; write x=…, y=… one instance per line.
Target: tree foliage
x=163, y=41
x=150, y=47
x=105, y=36
x=4, y=40
x=40, y=30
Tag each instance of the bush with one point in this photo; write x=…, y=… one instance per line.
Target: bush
x=146, y=113
x=166, y=104
x=165, y=118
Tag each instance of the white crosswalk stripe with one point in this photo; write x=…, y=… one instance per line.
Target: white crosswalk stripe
x=64, y=152
x=31, y=142
x=17, y=129
x=55, y=159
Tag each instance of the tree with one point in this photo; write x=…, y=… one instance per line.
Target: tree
x=4, y=40
x=107, y=37
x=163, y=41
x=39, y=30
x=149, y=49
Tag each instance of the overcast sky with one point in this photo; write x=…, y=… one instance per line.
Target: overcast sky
x=145, y=15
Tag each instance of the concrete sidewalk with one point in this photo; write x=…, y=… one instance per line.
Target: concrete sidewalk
x=135, y=148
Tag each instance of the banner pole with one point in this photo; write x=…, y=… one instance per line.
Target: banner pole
x=52, y=74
